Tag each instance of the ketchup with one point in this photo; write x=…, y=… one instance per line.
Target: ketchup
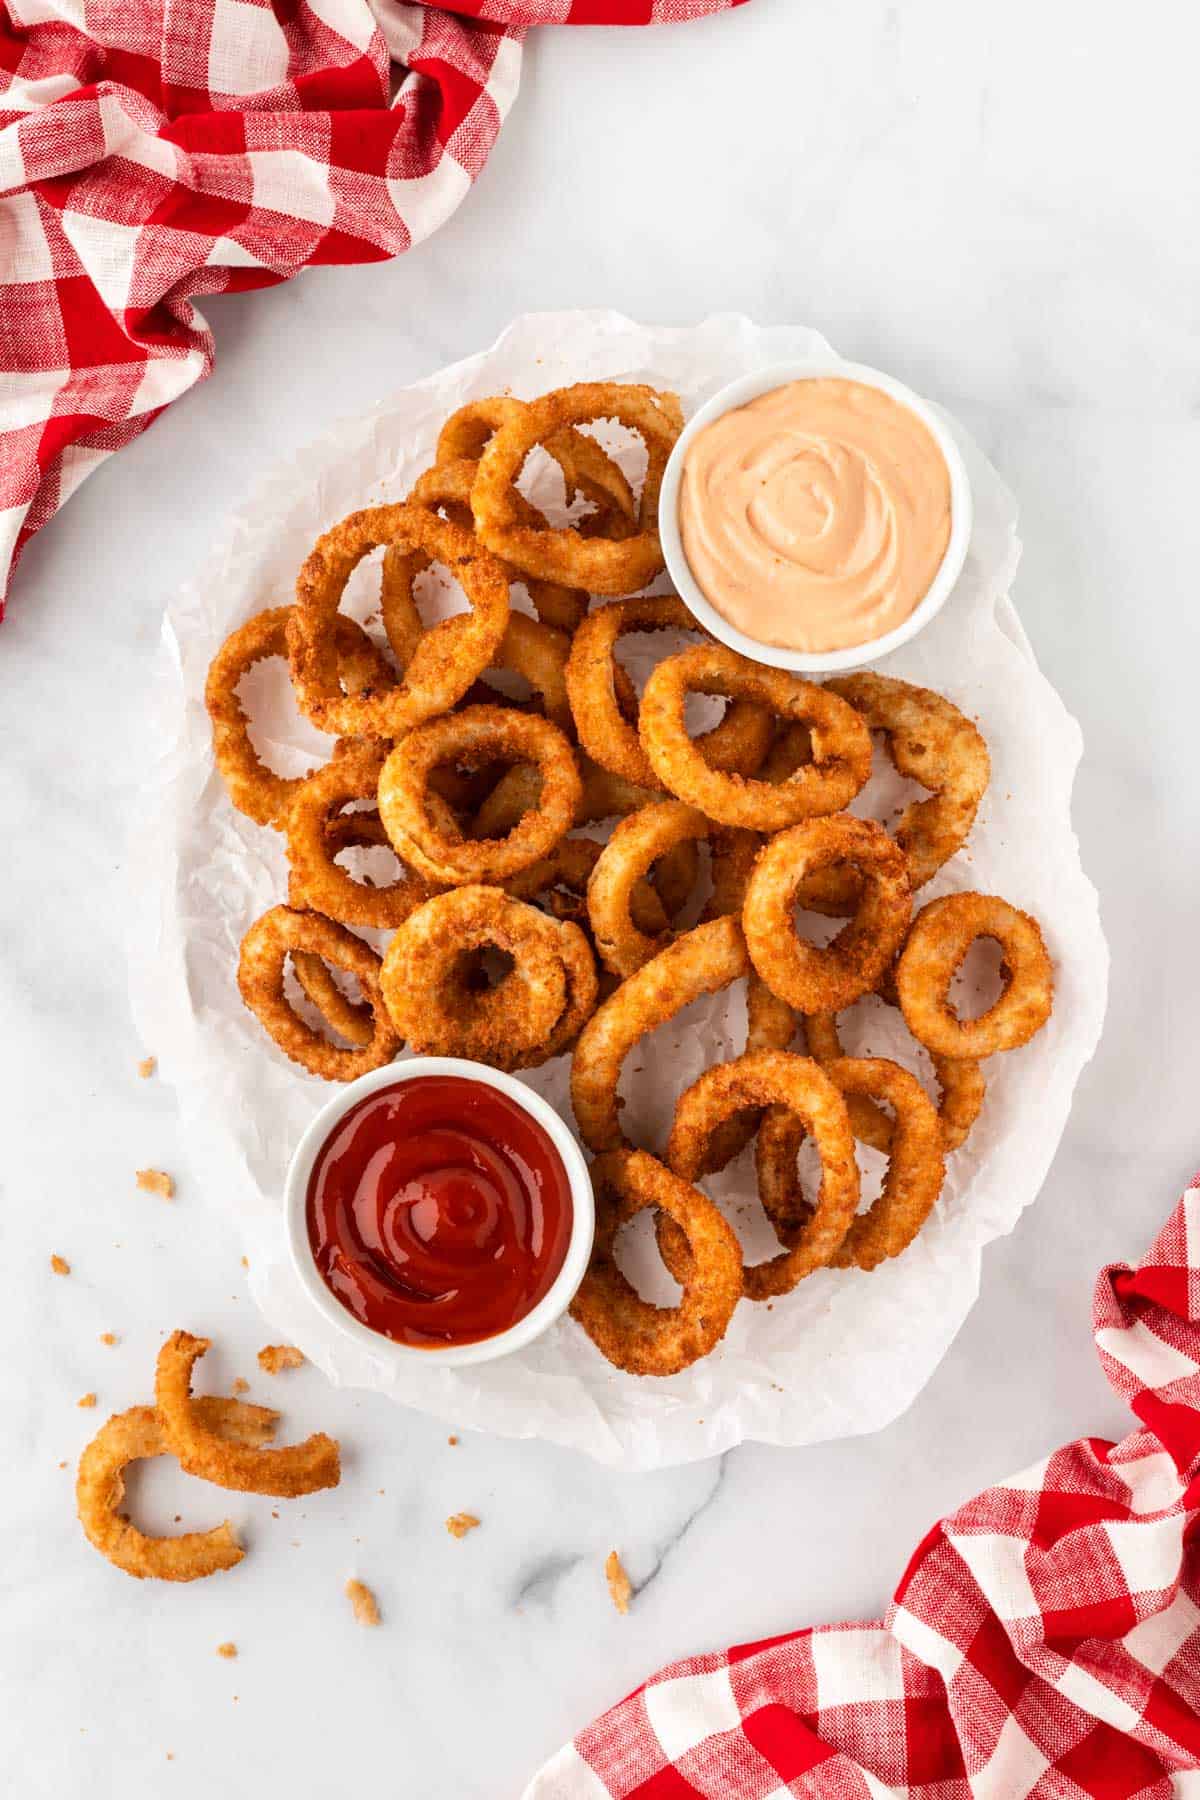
x=439, y=1211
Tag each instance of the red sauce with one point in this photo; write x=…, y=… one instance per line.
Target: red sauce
x=439, y=1211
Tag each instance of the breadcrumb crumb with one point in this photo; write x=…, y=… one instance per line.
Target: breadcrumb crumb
x=108, y=1337
x=458, y=1524
x=620, y=1588
x=60, y=1265
x=366, y=1608
x=241, y=1385
x=227, y=1650
x=87, y=1400
x=274, y=1358
x=156, y=1181
x=452, y=1440
x=147, y=1067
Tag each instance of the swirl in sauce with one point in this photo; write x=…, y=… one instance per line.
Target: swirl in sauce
x=815, y=517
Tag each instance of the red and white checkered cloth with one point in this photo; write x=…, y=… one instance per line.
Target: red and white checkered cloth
x=1044, y=1640
x=155, y=150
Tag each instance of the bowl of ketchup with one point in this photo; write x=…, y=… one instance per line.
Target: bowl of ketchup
x=437, y=1208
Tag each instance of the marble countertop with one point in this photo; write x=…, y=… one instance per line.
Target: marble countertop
x=1001, y=211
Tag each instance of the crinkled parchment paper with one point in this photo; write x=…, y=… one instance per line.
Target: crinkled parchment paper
x=846, y=1352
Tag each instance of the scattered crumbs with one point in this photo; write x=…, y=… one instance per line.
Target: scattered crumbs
x=60, y=1265
x=62, y=1465
x=366, y=1608
x=274, y=1358
x=458, y=1524
x=178, y=1518
x=87, y=1400
x=452, y=1440
x=108, y=1337
x=274, y=1512
x=245, y=1262
x=156, y=1181
x=228, y=1651
x=620, y=1588
x=147, y=1067
x=241, y=1385
x=170, y=1756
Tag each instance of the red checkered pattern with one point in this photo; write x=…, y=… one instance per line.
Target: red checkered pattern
x=152, y=152
x=1044, y=1640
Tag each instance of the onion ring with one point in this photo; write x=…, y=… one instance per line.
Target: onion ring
x=824, y=980
x=942, y=934
x=960, y=1080
x=260, y=981
x=434, y=846
x=561, y=881
x=915, y=1170
x=738, y=742
x=799, y=1087
x=253, y=788
x=634, y=1335
x=841, y=743
x=605, y=565
x=533, y=1012
x=446, y=660
x=135, y=1436
x=317, y=881
x=587, y=467
x=932, y=742
x=635, y=846
x=702, y=961
x=286, y=1473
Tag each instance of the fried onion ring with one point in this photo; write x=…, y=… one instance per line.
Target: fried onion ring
x=253, y=788
x=737, y=743
x=602, y=565
x=942, y=934
x=532, y=1013
x=702, y=961
x=426, y=836
x=287, y=1472
x=135, y=1436
x=587, y=467
x=824, y=980
x=264, y=953
x=560, y=880
x=931, y=742
x=960, y=1080
x=317, y=881
x=772, y=1079
x=447, y=659
x=634, y=1335
x=635, y=846
x=841, y=743
x=915, y=1170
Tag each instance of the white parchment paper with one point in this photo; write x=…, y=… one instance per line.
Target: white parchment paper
x=846, y=1352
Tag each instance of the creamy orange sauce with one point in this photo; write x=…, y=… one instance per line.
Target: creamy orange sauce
x=815, y=517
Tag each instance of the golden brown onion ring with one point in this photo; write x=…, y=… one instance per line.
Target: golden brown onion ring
x=426, y=836
x=738, y=742
x=942, y=934
x=602, y=565
x=320, y=883
x=135, y=1436
x=634, y=1335
x=914, y=1175
x=587, y=468
x=771, y=1078
x=809, y=978
x=255, y=789
x=447, y=659
x=264, y=953
x=841, y=743
x=200, y=1450
x=960, y=1080
x=635, y=846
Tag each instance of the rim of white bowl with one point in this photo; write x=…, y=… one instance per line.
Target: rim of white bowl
x=553, y=1303
x=749, y=387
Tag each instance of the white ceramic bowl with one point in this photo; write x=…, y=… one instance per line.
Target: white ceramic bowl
x=550, y=1307
x=749, y=387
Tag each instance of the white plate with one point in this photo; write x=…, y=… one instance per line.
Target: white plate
x=846, y=1352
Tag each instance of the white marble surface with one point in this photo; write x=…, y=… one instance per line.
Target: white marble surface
x=1002, y=211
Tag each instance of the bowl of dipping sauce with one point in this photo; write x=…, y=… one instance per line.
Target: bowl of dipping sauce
x=815, y=515
x=438, y=1209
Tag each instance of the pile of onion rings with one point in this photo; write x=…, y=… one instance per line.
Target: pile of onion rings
x=226, y=1442
x=475, y=749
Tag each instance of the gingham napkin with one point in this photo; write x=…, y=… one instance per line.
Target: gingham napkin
x=152, y=153
x=1044, y=1640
